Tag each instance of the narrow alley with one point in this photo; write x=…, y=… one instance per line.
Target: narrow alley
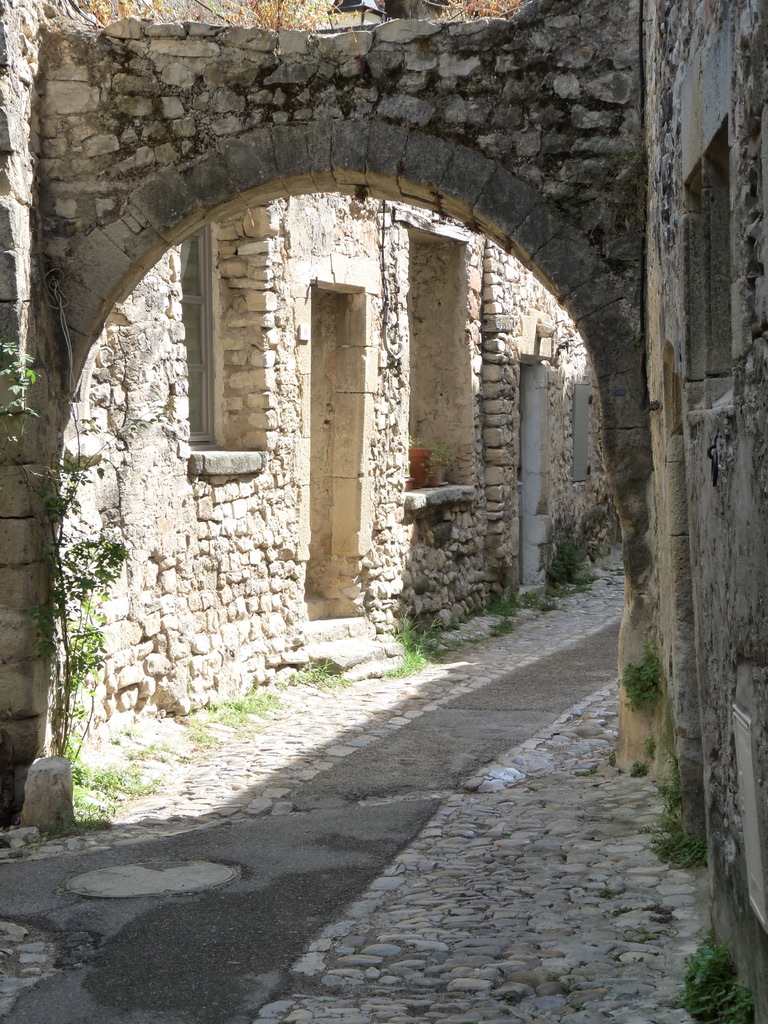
x=452, y=847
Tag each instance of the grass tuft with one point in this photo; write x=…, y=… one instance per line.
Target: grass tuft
x=712, y=991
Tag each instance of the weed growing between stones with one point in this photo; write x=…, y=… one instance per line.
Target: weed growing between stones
x=420, y=647
x=712, y=992
x=241, y=714
x=641, y=682
x=99, y=791
x=321, y=677
x=638, y=770
x=672, y=844
x=565, y=569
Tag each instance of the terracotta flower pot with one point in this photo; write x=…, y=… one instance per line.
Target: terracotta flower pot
x=417, y=458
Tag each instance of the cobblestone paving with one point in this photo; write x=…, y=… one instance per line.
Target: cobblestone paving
x=539, y=900
x=533, y=895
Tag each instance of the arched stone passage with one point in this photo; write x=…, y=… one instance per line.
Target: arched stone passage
x=521, y=129
x=406, y=165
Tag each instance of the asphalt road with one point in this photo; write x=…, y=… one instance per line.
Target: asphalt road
x=214, y=957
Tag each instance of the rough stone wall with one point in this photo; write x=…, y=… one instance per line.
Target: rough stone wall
x=527, y=129
x=26, y=326
x=215, y=591
x=708, y=351
x=200, y=609
x=107, y=215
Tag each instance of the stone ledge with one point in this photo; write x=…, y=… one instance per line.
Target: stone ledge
x=214, y=463
x=436, y=497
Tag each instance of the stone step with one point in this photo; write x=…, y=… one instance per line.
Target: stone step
x=342, y=656
x=374, y=669
x=319, y=631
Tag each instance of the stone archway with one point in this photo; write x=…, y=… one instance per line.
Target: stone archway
x=155, y=132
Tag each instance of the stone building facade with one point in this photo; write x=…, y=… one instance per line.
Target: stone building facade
x=707, y=323
x=116, y=146
x=271, y=491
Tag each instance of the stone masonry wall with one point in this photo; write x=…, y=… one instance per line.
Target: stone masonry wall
x=708, y=352
x=214, y=596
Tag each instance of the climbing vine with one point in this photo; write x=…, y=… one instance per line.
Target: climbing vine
x=16, y=377
x=81, y=568
x=69, y=624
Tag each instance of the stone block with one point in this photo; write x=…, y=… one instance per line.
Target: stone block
x=349, y=149
x=7, y=144
x=250, y=159
x=401, y=31
x=21, y=541
x=48, y=794
x=23, y=689
x=62, y=98
x=262, y=40
x=408, y=109
x=28, y=737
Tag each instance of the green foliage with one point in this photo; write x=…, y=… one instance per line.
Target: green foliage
x=649, y=747
x=682, y=850
x=641, y=682
x=638, y=770
x=238, y=713
x=441, y=456
x=672, y=844
x=82, y=569
x=612, y=759
x=711, y=990
x=507, y=606
x=16, y=376
x=565, y=567
x=420, y=647
x=322, y=677
x=502, y=627
x=99, y=791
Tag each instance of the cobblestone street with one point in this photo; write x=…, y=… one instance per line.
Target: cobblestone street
x=532, y=894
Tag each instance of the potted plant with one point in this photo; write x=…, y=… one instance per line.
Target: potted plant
x=441, y=458
x=428, y=462
x=418, y=453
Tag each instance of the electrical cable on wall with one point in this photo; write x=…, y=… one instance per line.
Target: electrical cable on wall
x=393, y=348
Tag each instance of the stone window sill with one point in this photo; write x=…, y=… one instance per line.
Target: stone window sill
x=213, y=463
x=437, y=497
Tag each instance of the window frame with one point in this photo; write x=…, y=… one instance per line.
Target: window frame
x=204, y=436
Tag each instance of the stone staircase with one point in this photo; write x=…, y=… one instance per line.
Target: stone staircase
x=350, y=647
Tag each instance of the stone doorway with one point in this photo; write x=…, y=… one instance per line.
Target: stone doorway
x=533, y=474
x=339, y=417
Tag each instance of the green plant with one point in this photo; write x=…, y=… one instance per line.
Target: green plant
x=649, y=747
x=81, y=569
x=712, y=991
x=507, y=606
x=671, y=843
x=322, y=677
x=16, y=377
x=502, y=627
x=638, y=770
x=612, y=759
x=682, y=850
x=441, y=457
x=641, y=682
x=420, y=647
x=98, y=791
x=240, y=712
x=565, y=567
